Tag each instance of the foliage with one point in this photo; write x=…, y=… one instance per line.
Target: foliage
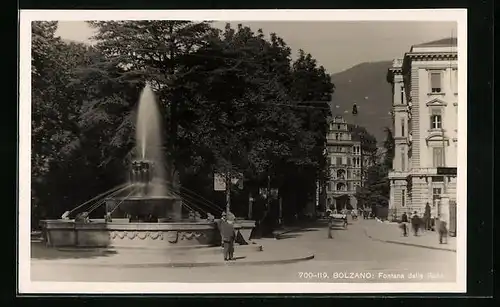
x=232, y=101
x=376, y=188
x=368, y=141
x=55, y=111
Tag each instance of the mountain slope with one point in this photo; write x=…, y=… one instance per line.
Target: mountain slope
x=366, y=85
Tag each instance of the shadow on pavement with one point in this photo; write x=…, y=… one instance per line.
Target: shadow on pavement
x=40, y=251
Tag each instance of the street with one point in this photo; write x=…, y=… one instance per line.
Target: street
x=351, y=256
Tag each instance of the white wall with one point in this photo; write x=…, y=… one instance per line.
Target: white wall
x=449, y=114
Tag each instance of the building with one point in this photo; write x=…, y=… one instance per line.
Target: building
x=345, y=164
x=425, y=109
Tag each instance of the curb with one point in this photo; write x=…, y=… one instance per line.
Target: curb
x=194, y=264
x=410, y=244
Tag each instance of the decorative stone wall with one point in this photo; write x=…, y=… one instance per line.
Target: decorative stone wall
x=61, y=233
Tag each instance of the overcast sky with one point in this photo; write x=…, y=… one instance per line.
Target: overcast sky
x=336, y=45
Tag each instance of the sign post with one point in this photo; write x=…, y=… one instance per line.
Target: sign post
x=223, y=182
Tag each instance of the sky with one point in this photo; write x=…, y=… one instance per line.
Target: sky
x=337, y=45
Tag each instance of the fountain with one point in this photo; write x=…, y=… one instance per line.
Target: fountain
x=148, y=211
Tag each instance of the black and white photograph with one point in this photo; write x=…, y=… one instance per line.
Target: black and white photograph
x=272, y=151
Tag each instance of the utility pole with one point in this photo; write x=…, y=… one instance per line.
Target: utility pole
x=268, y=200
x=228, y=193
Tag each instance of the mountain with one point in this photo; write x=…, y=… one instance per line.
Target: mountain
x=366, y=85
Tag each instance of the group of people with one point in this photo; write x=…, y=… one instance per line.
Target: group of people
x=417, y=224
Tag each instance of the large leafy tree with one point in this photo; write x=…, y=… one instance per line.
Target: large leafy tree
x=55, y=112
x=232, y=102
x=154, y=51
x=310, y=89
x=236, y=97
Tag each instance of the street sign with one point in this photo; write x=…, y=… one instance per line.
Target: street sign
x=219, y=182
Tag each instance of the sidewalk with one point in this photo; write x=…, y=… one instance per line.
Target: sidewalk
x=210, y=256
x=391, y=233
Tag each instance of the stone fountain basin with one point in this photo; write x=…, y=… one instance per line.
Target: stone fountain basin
x=120, y=233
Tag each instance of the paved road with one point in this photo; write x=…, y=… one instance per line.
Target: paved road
x=349, y=257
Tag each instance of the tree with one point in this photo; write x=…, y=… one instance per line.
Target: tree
x=368, y=141
x=237, y=122
x=311, y=89
x=376, y=189
x=154, y=51
x=232, y=100
x=55, y=110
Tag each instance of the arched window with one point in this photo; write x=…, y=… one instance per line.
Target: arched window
x=341, y=174
x=341, y=186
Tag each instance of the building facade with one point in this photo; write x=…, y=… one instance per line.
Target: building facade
x=425, y=125
x=345, y=165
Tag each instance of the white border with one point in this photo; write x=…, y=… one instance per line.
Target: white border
x=26, y=16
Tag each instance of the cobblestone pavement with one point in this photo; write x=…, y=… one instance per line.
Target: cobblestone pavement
x=351, y=256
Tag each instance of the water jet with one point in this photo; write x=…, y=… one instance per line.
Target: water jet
x=145, y=213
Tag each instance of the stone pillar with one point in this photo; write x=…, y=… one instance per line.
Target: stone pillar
x=392, y=199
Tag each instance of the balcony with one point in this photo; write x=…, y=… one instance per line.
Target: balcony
x=398, y=174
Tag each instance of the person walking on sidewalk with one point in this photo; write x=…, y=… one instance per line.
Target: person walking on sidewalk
x=415, y=223
x=427, y=217
x=404, y=224
x=442, y=231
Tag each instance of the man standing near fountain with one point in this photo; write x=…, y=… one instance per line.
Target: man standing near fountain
x=228, y=235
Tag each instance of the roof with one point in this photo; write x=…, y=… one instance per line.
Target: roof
x=444, y=42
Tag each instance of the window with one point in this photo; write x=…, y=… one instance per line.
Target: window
x=436, y=193
x=454, y=78
x=436, y=121
x=403, y=198
x=336, y=136
x=340, y=136
x=333, y=161
x=338, y=127
x=438, y=179
x=437, y=156
x=348, y=161
x=402, y=92
x=435, y=82
x=329, y=186
x=402, y=127
x=341, y=174
x=339, y=160
x=403, y=158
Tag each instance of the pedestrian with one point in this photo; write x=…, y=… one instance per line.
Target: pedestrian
x=228, y=236
x=442, y=231
x=415, y=222
x=354, y=215
x=404, y=224
x=222, y=220
x=330, y=225
x=427, y=217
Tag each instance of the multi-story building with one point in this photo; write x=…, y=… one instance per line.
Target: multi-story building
x=424, y=109
x=344, y=157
